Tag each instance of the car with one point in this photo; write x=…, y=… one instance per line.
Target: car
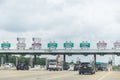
x=66, y=66
x=87, y=67
x=22, y=66
x=100, y=68
x=8, y=65
x=54, y=66
x=76, y=67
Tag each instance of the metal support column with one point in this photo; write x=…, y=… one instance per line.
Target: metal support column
x=64, y=61
x=2, y=61
x=16, y=62
x=95, y=59
x=7, y=58
x=31, y=61
x=46, y=62
x=64, y=58
x=35, y=59
x=113, y=60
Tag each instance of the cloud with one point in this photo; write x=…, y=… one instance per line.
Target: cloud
x=62, y=19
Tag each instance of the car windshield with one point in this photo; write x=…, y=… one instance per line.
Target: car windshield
x=76, y=64
x=52, y=63
x=85, y=64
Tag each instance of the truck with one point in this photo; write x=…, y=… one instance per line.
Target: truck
x=55, y=66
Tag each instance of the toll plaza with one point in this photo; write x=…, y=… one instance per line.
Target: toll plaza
x=36, y=48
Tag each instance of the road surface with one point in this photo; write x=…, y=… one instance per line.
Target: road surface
x=56, y=75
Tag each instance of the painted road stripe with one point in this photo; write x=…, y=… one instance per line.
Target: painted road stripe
x=104, y=76
x=60, y=76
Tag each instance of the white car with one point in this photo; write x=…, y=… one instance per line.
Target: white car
x=54, y=66
x=8, y=65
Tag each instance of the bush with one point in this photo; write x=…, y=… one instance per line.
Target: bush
x=116, y=68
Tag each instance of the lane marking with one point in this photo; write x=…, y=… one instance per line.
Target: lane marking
x=59, y=76
x=104, y=76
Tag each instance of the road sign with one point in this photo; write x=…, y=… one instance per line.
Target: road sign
x=84, y=44
x=116, y=44
x=68, y=44
x=20, y=39
x=101, y=45
x=36, y=40
x=5, y=45
x=52, y=45
x=21, y=43
x=36, y=43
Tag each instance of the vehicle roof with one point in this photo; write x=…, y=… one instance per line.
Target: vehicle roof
x=85, y=62
x=52, y=62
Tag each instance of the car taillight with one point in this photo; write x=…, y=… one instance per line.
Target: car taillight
x=80, y=66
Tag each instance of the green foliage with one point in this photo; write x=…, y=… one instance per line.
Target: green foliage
x=22, y=59
x=12, y=59
x=40, y=61
x=116, y=68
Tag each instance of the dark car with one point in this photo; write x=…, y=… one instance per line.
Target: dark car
x=66, y=66
x=76, y=67
x=87, y=67
x=22, y=66
x=100, y=68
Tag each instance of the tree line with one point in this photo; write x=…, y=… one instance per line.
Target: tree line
x=22, y=59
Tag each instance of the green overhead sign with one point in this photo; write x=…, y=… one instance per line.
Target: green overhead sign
x=85, y=44
x=5, y=45
x=68, y=45
x=52, y=45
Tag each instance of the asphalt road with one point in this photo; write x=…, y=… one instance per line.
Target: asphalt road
x=56, y=75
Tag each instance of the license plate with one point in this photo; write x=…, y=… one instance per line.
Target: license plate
x=84, y=67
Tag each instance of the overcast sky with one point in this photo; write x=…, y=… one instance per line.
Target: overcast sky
x=60, y=20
